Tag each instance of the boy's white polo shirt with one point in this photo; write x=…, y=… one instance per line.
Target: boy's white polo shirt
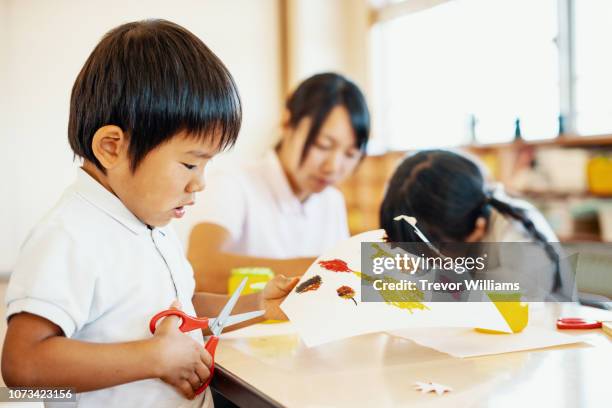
x=91, y=267
x=256, y=205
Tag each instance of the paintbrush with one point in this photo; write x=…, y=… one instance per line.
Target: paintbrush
x=412, y=222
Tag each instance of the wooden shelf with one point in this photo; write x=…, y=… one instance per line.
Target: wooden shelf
x=551, y=195
x=582, y=237
x=562, y=140
x=365, y=189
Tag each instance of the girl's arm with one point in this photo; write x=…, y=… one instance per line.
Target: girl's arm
x=37, y=354
x=212, y=265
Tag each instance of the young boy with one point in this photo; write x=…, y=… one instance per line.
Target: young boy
x=149, y=109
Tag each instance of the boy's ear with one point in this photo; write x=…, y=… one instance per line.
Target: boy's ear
x=109, y=145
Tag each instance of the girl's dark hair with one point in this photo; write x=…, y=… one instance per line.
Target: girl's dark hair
x=446, y=193
x=152, y=79
x=317, y=96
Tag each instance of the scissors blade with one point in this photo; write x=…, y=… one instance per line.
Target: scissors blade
x=217, y=326
x=239, y=318
x=242, y=317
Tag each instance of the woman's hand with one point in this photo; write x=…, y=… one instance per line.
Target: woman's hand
x=273, y=295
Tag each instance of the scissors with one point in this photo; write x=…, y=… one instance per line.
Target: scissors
x=577, y=323
x=189, y=323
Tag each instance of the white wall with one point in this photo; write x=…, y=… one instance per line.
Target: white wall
x=7, y=229
x=328, y=35
x=43, y=45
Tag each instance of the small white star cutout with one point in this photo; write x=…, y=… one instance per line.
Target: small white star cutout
x=426, y=387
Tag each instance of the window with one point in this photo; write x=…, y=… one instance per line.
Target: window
x=593, y=66
x=466, y=70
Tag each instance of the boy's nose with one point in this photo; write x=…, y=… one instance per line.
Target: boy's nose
x=196, y=185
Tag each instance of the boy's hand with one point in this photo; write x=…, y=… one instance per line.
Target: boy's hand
x=181, y=361
x=273, y=295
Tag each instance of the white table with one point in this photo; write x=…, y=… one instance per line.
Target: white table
x=379, y=370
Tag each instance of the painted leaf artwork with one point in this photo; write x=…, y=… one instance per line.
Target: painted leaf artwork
x=309, y=285
x=408, y=300
x=379, y=252
x=317, y=312
x=335, y=265
x=346, y=292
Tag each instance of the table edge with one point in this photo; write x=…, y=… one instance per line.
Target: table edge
x=233, y=388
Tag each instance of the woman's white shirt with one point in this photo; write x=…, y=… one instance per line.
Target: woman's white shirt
x=256, y=205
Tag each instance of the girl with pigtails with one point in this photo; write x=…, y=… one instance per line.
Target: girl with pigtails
x=452, y=202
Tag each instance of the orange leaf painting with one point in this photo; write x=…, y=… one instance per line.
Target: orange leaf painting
x=346, y=292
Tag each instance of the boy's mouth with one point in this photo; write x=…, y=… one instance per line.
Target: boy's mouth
x=179, y=211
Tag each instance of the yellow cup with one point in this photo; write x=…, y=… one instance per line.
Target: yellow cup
x=515, y=312
x=258, y=277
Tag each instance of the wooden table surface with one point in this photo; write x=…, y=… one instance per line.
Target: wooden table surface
x=379, y=370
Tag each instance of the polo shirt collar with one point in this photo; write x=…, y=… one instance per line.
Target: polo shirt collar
x=93, y=192
x=279, y=184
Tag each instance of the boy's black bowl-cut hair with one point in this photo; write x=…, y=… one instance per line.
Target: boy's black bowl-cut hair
x=152, y=79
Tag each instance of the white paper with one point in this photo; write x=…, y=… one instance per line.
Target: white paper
x=321, y=315
x=464, y=342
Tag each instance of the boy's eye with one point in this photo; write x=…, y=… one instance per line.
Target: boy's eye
x=190, y=166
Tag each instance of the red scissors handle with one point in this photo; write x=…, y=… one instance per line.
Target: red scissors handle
x=577, y=323
x=188, y=323
x=211, y=347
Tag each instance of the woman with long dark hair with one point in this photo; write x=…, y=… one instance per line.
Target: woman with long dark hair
x=283, y=211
